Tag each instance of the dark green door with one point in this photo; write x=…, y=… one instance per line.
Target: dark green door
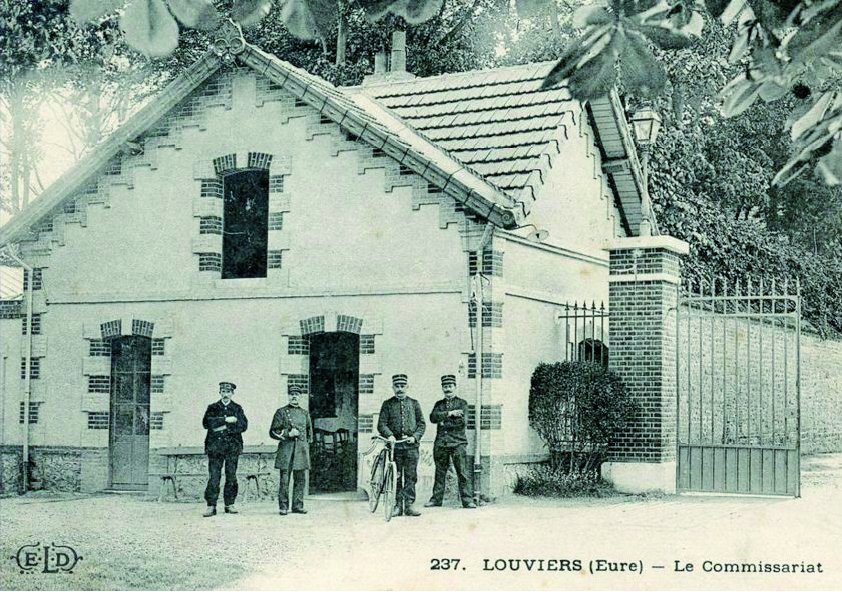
x=131, y=359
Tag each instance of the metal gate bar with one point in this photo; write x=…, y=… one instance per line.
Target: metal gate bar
x=737, y=368
x=585, y=331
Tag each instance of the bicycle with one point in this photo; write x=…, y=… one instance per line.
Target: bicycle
x=384, y=478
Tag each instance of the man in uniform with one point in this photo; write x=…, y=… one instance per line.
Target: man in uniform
x=450, y=415
x=225, y=422
x=401, y=417
x=293, y=427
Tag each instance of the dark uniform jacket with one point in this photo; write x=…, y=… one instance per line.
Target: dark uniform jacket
x=224, y=437
x=400, y=419
x=451, y=429
x=293, y=451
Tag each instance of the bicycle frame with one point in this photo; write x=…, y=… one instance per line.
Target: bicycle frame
x=383, y=479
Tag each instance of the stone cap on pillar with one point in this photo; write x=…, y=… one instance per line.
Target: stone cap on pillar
x=667, y=243
x=646, y=259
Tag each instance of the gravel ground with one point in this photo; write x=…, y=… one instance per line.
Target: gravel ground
x=129, y=542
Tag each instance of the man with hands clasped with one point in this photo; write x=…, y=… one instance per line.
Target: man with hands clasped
x=292, y=427
x=225, y=422
x=450, y=415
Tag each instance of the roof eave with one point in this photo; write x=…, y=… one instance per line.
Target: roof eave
x=622, y=164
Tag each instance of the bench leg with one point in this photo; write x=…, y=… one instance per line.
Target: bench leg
x=164, y=481
x=252, y=487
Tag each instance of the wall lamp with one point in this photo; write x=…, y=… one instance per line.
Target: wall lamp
x=538, y=235
x=646, y=122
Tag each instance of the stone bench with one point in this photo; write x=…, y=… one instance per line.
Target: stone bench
x=253, y=483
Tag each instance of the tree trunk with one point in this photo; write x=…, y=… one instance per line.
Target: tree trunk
x=17, y=146
x=94, y=125
x=341, y=36
x=23, y=143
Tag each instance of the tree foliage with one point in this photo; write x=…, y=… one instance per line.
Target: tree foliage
x=460, y=38
x=35, y=34
x=577, y=408
x=781, y=49
x=36, y=37
x=730, y=247
x=152, y=26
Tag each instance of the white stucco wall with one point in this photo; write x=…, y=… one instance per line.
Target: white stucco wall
x=575, y=203
x=355, y=242
x=351, y=247
x=240, y=341
x=570, y=266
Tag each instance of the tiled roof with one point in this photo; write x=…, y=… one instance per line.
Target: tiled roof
x=363, y=117
x=619, y=159
x=498, y=122
x=486, y=138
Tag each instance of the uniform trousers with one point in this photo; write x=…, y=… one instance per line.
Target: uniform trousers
x=216, y=460
x=442, y=455
x=297, y=490
x=406, y=460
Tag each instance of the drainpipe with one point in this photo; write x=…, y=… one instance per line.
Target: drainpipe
x=27, y=381
x=478, y=279
x=3, y=359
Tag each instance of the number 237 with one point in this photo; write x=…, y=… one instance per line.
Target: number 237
x=444, y=564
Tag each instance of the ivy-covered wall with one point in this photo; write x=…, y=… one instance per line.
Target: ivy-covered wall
x=821, y=395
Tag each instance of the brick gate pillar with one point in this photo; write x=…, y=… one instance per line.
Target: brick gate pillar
x=644, y=275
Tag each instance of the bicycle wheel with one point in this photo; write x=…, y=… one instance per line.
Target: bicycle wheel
x=375, y=483
x=390, y=482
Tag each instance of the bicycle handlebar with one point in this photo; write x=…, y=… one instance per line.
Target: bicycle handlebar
x=376, y=437
x=379, y=437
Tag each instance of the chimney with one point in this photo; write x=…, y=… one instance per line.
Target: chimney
x=397, y=71
x=398, y=51
x=380, y=63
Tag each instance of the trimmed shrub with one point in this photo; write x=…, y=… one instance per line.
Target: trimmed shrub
x=576, y=408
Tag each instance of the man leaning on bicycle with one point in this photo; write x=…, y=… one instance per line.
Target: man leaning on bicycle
x=401, y=417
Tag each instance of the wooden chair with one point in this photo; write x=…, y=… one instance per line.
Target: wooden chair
x=326, y=442
x=344, y=438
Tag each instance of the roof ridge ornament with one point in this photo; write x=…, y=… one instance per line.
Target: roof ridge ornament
x=229, y=42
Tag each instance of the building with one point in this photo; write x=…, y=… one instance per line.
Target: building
x=256, y=224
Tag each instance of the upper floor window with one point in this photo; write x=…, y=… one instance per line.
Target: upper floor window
x=245, y=231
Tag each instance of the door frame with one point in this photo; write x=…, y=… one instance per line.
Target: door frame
x=136, y=469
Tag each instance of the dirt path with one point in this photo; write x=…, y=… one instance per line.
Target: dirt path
x=134, y=543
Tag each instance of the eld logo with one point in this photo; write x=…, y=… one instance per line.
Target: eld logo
x=46, y=558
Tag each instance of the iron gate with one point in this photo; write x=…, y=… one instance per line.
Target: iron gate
x=738, y=381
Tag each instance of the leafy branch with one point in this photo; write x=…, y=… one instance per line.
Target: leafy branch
x=782, y=47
